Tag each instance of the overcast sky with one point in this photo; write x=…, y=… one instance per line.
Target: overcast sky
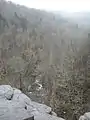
x=57, y=5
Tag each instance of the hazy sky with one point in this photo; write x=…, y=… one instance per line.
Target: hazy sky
x=57, y=5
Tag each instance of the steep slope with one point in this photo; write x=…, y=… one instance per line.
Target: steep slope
x=49, y=48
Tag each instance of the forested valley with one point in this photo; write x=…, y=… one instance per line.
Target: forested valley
x=47, y=56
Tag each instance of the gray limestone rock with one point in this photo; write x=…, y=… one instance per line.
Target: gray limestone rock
x=14, y=105
x=6, y=92
x=86, y=116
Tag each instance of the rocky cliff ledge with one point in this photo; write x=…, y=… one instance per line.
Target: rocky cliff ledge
x=86, y=116
x=14, y=105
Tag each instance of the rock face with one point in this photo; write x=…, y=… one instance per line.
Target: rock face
x=14, y=105
x=86, y=116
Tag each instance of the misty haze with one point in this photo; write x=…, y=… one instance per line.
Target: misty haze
x=44, y=60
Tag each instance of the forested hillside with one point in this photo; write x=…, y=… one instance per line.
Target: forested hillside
x=46, y=54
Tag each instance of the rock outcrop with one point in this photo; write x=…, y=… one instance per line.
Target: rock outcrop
x=14, y=105
x=86, y=116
